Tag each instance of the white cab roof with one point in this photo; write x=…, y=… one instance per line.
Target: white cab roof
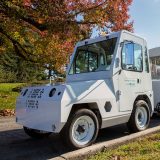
x=114, y=34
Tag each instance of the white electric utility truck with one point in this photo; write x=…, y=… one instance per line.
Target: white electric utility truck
x=108, y=83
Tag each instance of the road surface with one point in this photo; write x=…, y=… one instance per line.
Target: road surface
x=15, y=144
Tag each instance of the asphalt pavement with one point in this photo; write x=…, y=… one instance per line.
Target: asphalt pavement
x=15, y=144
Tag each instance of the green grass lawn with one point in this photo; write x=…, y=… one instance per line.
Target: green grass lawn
x=7, y=96
x=143, y=149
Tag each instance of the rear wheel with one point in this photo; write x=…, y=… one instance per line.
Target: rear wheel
x=140, y=117
x=81, y=130
x=36, y=133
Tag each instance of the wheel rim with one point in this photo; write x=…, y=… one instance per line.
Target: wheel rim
x=83, y=130
x=141, y=117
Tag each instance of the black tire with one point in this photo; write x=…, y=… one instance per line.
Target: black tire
x=35, y=133
x=66, y=133
x=132, y=124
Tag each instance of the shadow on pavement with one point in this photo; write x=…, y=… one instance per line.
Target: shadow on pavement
x=15, y=144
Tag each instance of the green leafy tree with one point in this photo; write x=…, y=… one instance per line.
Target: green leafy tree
x=16, y=69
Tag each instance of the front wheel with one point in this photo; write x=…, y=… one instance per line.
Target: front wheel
x=35, y=133
x=140, y=117
x=81, y=130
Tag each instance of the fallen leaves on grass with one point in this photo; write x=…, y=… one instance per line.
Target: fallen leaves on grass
x=7, y=112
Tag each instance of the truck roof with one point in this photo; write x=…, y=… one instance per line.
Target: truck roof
x=113, y=34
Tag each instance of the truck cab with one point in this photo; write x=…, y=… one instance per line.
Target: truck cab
x=108, y=82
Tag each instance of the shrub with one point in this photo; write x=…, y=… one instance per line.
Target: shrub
x=7, y=76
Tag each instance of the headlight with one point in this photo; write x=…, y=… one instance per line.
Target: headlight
x=52, y=92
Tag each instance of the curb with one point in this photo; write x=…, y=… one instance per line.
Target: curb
x=91, y=150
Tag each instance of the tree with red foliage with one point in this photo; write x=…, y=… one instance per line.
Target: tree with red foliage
x=45, y=31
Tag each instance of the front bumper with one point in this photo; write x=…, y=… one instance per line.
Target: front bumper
x=46, y=117
x=36, y=109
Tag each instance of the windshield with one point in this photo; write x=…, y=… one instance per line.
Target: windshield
x=93, y=57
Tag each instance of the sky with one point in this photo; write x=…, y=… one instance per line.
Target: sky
x=146, y=17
